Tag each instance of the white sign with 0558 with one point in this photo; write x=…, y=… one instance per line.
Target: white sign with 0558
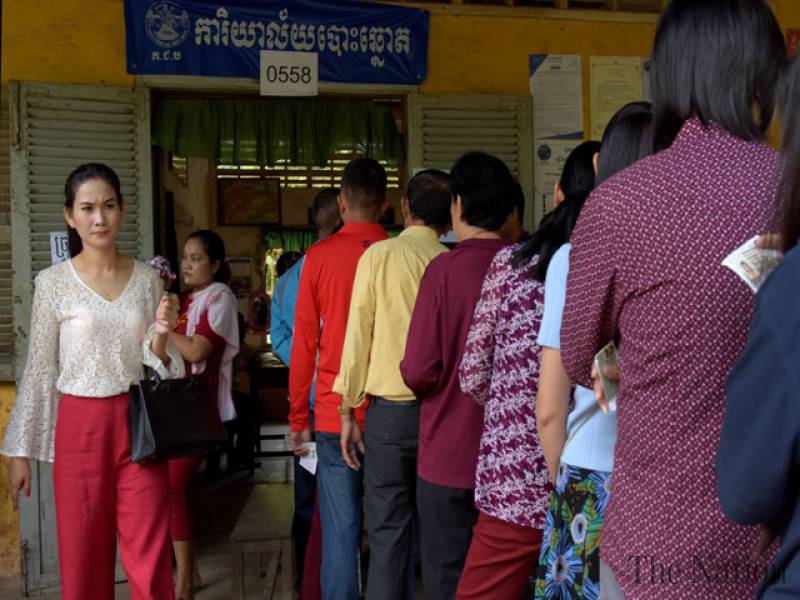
x=289, y=73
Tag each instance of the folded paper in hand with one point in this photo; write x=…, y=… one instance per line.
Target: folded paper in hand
x=309, y=461
x=753, y=265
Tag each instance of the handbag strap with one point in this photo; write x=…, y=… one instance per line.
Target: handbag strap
x=152, y=374
x=595, y=408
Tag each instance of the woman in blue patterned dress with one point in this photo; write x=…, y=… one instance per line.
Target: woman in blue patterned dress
x=578, y=444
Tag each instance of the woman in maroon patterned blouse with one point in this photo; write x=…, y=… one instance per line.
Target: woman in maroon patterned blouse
x=646, y=270
x=500, y=370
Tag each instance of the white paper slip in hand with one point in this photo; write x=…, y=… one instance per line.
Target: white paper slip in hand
x=309, y=461
x=608, y=357
x=753, y=265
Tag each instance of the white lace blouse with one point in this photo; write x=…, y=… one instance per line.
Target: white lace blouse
x=84, y=345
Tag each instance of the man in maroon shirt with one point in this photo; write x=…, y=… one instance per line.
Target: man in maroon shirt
x=323, y=304
x=484, y=195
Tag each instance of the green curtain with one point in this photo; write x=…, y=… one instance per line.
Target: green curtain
x=290, y=240
x=300, y=240
x=262, y=131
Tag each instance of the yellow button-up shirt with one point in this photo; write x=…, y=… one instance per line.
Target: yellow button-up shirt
x=384, y=293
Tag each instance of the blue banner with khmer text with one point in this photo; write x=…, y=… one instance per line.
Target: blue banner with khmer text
x=357, y=42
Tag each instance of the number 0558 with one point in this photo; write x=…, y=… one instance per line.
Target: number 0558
x=289, y=73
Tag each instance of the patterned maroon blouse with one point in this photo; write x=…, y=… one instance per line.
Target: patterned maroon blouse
x=500, y=368
x=646, y=269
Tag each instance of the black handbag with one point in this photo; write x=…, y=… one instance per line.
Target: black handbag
x=173, y=417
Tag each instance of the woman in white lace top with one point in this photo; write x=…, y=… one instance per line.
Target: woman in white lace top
x=92, y=323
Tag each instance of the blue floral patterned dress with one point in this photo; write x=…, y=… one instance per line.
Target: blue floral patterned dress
x=569, y=563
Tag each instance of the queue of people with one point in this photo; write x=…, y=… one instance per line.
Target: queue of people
x=454, y=396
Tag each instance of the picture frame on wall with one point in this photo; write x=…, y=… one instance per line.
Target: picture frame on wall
x=250, y=202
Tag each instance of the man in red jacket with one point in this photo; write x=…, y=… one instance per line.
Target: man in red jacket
x=323, y=304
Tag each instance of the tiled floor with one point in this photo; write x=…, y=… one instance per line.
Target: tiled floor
x=216, y=508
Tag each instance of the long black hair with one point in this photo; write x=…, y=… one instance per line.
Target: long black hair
x=790, y=185
x=627, y=139
x=577, y=182
x=215, y=249
x=716, y=59
x=76, y=179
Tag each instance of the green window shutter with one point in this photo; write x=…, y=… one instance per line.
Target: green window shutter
x=6, y=316
x=442, y=128
x=56, y=128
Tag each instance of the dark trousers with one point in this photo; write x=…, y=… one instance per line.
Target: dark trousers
x=305, y=489
x=390, y=479
x=446, y=518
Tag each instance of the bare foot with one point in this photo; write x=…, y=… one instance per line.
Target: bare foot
x=184, y=592
x=197, y=581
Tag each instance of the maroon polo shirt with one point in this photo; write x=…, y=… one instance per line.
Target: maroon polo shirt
x=450, y=421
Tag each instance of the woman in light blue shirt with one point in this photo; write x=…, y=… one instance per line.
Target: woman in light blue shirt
x=578, y=444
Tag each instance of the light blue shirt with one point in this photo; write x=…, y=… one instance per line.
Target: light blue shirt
x=592, y=446
x=281, y=329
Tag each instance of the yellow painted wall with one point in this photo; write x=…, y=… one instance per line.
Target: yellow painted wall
x=9, y=522
x=53, y=40
x=80, y=41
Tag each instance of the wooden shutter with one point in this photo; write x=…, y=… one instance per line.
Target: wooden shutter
x=442, y=128
x=6, y=313
x=55, y=128
x=58, y=128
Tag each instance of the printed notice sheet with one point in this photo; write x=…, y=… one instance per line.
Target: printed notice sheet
x=647, y=80
x=556, y=85
x=557, y=90
x=614, y=82
x=549, y=157
x=753, y=265
x=59, y=246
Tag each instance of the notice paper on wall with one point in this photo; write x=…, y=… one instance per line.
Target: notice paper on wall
x=614, y=81
x=289, y=73
x=556, y=85
x=549, y=157
x=647, y=79
x=59, y=246
x=557, y=90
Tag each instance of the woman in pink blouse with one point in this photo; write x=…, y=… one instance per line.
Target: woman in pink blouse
x=500, y=370
x=207, y=336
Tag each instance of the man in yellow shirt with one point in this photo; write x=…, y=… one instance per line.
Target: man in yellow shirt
x=384, y=293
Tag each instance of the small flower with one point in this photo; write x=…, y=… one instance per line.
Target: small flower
x=563, y=566
x=578, y=528
x=565, y=473
x=602, y=481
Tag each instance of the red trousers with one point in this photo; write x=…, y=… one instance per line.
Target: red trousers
x=181, y=471
x=311, y=586
x=100, y=494
x=500, y=560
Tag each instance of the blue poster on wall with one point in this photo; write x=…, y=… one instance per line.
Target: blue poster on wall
x=357, y=42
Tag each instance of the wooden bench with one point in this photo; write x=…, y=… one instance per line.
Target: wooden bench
x=265, y=527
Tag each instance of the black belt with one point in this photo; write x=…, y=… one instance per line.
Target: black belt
x=384, y=402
